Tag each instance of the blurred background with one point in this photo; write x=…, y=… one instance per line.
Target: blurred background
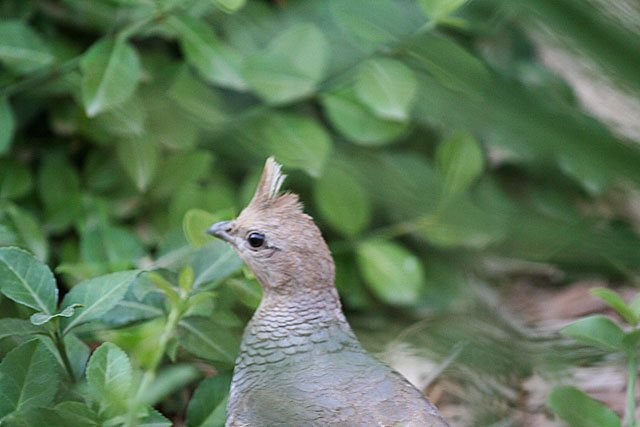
x=473, y=165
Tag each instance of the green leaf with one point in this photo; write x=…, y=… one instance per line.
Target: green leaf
x=7, y=123
x=201, y=102
x=297, y=141
x=450, y=64
x=77, y=351
x=110, y=74
x=33, y=417
x=290, y=67
x=207, y=407
x=387, y=87
x=393, y=273
x=17, y=327
x=580, y=410
x=597, y=331
x=168, y=381
x=630, y=340
x=460, y=162
x=77, y=414
x=436, y=9
x=634, y=306
x=342, y=201
x=109, y=377
x=59, y=190
x=97, y=295
x=154, y=419
x=206, y=339
x=78, y=354
x=214, y=60
x=21, y=48
x=123, y=120
x=28, y=378
x=139, y=158
x=377, y=21
x=186, y=277
x=181, y=168
x=230, y=6
x=462, y=224
x=356, y=122
x=113, y=245
x=29, y=231
x=247, y=291
x=197, y=221
x=26, y=280
x=15, y=179
x=617, y=303
x=214, y=261
x=42, y=318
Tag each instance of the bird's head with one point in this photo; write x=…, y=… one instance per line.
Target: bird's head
x=276, y=239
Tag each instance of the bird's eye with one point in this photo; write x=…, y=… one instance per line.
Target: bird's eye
x=255, y=240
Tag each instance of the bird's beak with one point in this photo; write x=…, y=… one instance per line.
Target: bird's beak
x=221, y=230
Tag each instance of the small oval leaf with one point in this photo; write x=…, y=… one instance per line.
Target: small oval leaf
x=7, y=125
x=290, y=67
x=597, y=331
x=110, y=74
x=617, y=303
x=214, y=261
x=342, y=201
x=387, y=87
x=460, y=161
x=436, y=9
x=26, y=280
x=203, y=338
x=356, y=122
x=393, y=273
x=17, y=327
x=197, y=221
x=207, y=407
x=139, y=158
x=29, y=378
x=15, y=179
x=109, y=377
x=97, y=296
x=21, y=48
x=214, y=60
x=578, y=409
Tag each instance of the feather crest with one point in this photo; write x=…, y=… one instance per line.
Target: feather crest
x=267, y=193
x=270, y=183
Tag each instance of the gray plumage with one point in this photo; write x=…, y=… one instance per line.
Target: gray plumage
x=299, y=363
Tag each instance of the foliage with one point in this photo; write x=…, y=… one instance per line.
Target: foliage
x=424, y=136
x=575, y=406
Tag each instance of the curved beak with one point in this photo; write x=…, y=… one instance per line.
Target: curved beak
x=221, y=230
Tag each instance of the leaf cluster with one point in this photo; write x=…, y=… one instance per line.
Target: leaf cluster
x=425, y=138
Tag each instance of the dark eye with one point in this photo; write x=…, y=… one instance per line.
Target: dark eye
x=255, y=240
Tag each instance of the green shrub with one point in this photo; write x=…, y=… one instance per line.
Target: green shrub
x=422, y=132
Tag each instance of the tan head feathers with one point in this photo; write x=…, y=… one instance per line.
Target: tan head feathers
x=267, y=192
x=270, y=182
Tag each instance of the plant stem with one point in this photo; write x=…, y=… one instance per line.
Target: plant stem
x=150, y=374
x=62, y=349
x=632, y=365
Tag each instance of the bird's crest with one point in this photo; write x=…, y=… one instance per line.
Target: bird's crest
x=268, y=191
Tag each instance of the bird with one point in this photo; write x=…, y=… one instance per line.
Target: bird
x=300, y=364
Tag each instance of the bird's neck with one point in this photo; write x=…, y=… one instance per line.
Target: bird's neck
x=299, y=303
x=299, y=318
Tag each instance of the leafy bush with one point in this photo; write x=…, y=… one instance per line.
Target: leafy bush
x=424, y=136
x=599, y=331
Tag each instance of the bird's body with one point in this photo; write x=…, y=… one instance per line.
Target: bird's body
x=299, y=363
